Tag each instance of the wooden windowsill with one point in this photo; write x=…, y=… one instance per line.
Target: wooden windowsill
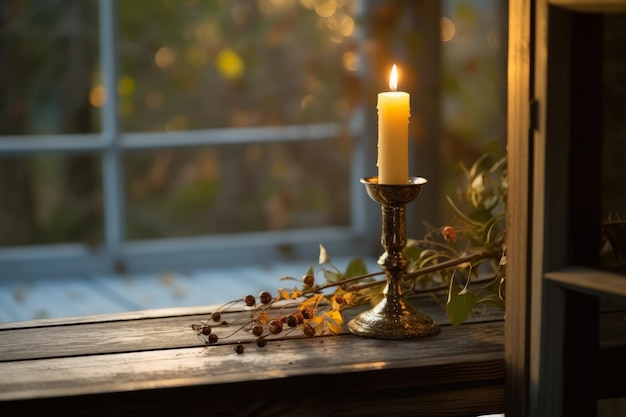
x=153, y=363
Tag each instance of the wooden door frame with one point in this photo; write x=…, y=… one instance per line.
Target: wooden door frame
x=551, y=321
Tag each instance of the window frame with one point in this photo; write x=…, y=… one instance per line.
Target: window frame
x=118, y=255
x=551, y=303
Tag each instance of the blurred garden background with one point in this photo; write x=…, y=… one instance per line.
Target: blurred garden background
x=197, y=65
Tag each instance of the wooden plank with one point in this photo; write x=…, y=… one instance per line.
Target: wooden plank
x=595, y=282
x=517, y=239
x=359, y=393
x=117, y=335
x=211, y=365
x=157, y=366
x=111, y=317
x=549, y=232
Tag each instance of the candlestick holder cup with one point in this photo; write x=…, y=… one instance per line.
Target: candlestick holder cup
x=393, y=318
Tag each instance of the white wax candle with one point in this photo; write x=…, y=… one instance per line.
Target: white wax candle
x=393, y=134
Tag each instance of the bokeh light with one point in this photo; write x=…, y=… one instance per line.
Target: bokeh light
x=97, y=96
x=447, y=29
x=164, y=57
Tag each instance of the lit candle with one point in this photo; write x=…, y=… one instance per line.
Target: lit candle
x=393, y=134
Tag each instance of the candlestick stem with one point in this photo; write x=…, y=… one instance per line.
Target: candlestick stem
x=393, y=318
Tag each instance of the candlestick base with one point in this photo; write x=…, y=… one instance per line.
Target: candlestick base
x=393, y=318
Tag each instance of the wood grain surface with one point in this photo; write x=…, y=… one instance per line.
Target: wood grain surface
x=153, y=363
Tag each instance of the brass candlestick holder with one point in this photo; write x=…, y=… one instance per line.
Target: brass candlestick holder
x=393, y=318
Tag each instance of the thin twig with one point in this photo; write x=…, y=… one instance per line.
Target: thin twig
x=434, y=268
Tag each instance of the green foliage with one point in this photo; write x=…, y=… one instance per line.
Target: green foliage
x=473, y=241
x=462, y=262
x=460, y=305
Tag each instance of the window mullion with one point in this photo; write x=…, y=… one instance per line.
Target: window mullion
x=111, y=157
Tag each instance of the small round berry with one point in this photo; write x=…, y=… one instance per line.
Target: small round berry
x=213, y=338
x=265, y=297
x=308, y=280
x=216, y=317
x=224, y=323
x=239, y=348
x=261, y=342
x=276, y=326
x=298, y=316
x=449, y=233
x=206, y=330
x=292, y=321
x=338, y=299
x=308, y=330
x=257, y=330
x=249, y=300
x=308, y=313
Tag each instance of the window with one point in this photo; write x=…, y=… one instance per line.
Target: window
x=167, y=127
x=175, y=134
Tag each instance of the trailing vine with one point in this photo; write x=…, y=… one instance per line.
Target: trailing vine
x=462, y=264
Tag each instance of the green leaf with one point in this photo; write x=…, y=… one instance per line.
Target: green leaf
x=332, y=276
x=412, y=252
x=481, y=215
x=288, y=278
x=356, y=267
x=459, y=305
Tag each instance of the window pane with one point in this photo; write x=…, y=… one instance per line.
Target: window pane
x=234, y=189
x=474, y=76
x=50, y=200
x=206, y=64
x=474, y=37
x=48, y=77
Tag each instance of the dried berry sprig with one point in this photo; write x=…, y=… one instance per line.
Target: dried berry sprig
x=310, y=310
x=444, y=260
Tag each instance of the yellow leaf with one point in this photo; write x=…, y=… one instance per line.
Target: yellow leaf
x=317, y=320
x=348, y=298
x=313, y=301
x=335, y=316
x=334, y=320
x=333, y=328
x=296, y=293
x=284, y=294
x=263, y=317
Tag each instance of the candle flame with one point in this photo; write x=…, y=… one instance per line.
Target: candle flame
x=393, y=78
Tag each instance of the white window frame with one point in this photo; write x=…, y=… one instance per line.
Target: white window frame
x=110, y=144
